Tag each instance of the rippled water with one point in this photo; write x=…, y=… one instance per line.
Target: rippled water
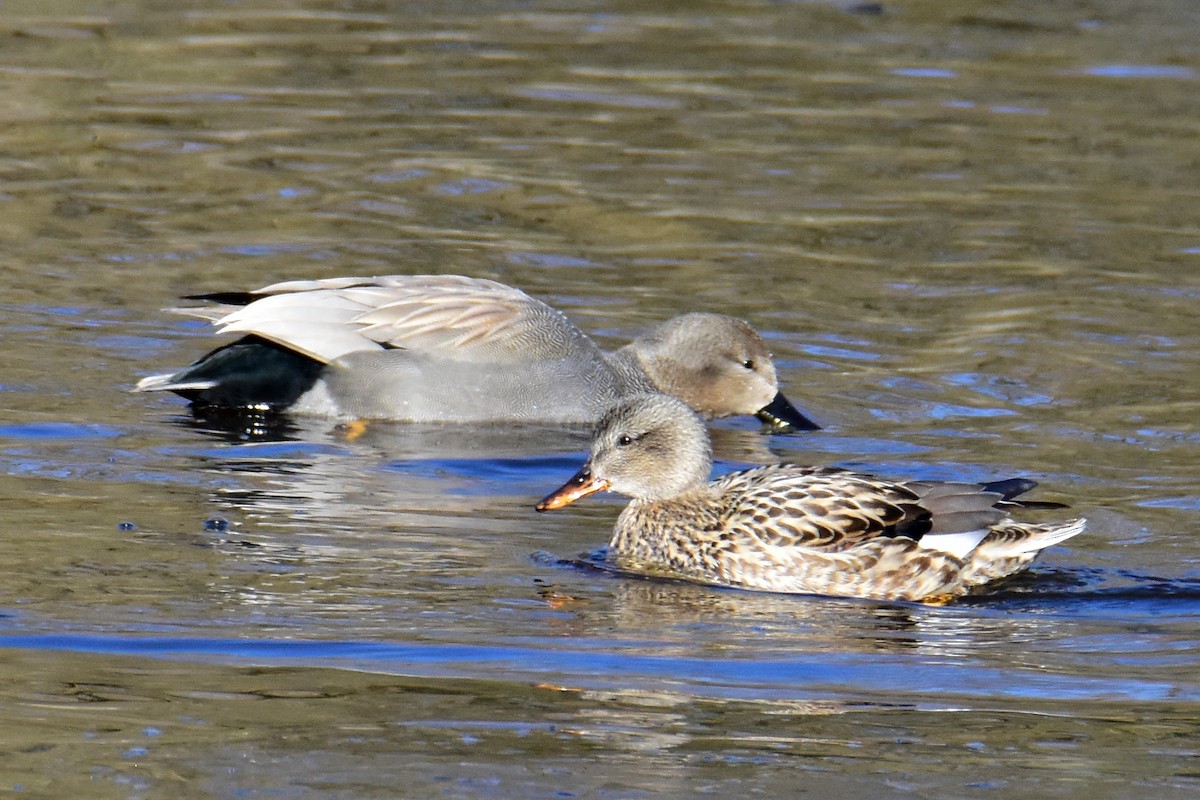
x=970, y=235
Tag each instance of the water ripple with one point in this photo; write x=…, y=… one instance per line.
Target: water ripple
x=802, y=676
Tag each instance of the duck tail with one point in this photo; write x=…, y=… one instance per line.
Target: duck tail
x=168, y=383
x=1011, y=488
x=1034, y=538
x=249, y=373
x=1012, y=547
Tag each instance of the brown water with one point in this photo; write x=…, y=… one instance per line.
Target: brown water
x=969, y=231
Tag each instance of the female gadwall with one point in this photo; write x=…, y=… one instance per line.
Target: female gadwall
x=788, y=528
x=423, y=348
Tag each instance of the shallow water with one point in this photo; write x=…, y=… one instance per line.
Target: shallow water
x=969, y=234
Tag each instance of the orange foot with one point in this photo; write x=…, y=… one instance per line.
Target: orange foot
x=556, y=599
x=351, y=431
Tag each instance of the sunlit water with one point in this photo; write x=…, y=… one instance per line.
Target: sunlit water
x=969, y=234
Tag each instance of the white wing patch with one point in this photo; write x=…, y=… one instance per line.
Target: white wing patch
x=956, y=544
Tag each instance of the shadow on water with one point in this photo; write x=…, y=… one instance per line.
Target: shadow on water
x=1043, y=593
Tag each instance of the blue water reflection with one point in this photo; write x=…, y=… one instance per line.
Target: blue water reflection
x=606, y=665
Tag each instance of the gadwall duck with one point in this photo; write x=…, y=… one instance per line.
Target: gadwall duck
x=789, y=528
x=423, y=348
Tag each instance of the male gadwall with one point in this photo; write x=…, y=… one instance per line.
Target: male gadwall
x=789, y=528
x=423, y=348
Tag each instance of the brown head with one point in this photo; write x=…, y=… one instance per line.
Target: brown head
x=719, y=366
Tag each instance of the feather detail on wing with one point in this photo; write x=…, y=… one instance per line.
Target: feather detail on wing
x=830, y=510
x=446, y=317
x=818, y=508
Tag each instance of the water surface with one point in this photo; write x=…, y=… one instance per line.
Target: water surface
x=969, y=235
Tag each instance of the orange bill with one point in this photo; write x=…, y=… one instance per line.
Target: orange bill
x=581, y=484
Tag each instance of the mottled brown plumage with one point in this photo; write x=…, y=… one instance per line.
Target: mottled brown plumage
x=790, y=528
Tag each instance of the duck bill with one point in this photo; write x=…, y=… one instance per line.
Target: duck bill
x=785, y=417
x=581, y=484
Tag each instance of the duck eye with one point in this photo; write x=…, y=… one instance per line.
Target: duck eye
x=624, y=440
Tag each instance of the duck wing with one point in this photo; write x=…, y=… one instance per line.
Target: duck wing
x=819, y=508
x=829, y=509
x=442, y=316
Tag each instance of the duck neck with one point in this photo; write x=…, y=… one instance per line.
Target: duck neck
x=666, y=533
x=630, y=370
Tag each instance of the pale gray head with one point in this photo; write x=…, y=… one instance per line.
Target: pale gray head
x=649, y=447
x=719, y=366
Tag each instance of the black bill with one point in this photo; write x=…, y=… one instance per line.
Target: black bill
x=785, y=416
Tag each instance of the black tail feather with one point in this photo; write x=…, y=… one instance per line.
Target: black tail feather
x=226, y=298
x=1011, y=488
x=250, y=373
